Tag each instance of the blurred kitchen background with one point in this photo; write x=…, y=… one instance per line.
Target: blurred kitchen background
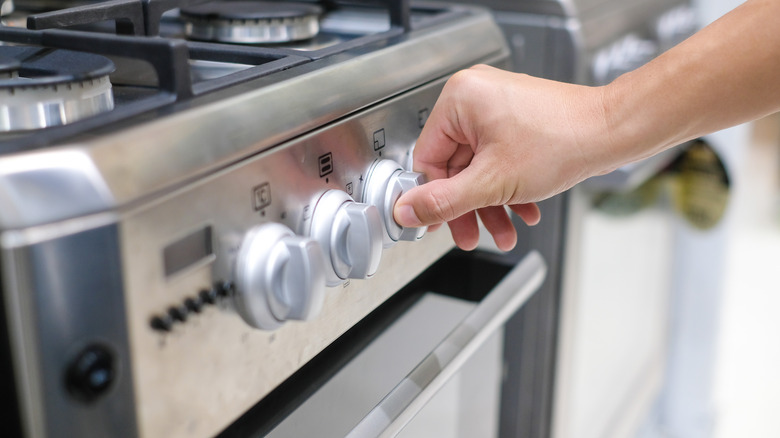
x=667, y=326
x=721, y=379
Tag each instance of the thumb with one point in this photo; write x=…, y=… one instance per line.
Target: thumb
x=439, y=201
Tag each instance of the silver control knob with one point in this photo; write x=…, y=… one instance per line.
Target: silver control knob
x=385, y=183
x=350, y=235
x=278, y=276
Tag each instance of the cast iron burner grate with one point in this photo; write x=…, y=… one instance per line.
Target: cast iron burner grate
x=161, y=75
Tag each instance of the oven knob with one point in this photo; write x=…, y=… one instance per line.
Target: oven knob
x=350, y=234
x=278, y=276
x=385, y=183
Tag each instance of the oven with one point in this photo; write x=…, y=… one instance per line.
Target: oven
x=197, y=231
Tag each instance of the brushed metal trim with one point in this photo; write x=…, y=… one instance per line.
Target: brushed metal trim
x=48, y=186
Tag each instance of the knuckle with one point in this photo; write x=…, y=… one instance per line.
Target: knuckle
x=463, y=79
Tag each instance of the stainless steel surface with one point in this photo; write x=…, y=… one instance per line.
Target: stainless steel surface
x=410, y=395
x=606, y=25
x=174, y=149
x=277, y=30
x=72, y=299
x=350, y=235
x=27, y=108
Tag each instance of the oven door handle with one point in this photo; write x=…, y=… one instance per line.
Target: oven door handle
x=409, y=396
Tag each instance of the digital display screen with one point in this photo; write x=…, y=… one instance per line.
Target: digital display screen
x=187, y=251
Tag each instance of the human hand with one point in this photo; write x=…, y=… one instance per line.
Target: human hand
x=496, y=139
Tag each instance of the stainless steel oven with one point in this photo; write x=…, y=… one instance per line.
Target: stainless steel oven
x=197, y=226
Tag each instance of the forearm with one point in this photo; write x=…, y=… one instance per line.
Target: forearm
x=726, y=74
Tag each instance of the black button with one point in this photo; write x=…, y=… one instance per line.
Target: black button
x=91, y=373
x=162, y=323
x=224, y=289
x=178, y=313
x=208, y=296
x=194, y=304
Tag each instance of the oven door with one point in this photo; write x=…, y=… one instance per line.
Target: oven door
x=437, y=368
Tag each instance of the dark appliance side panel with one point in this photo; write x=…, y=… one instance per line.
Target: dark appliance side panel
x=546, y=47
x=69, y=344
x=542, y=46
x=531, y=336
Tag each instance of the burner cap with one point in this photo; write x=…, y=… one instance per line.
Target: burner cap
x=48, y=87
x=251, y=22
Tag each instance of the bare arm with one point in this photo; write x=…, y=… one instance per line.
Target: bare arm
x=726, y=74
x=496, y=138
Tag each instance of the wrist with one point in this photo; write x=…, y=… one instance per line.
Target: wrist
x=638, y=117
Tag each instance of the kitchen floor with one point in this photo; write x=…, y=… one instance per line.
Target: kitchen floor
x=747, y=387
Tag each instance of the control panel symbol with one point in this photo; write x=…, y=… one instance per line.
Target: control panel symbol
x=326, y=164
x=262, y=196
x=379, y=139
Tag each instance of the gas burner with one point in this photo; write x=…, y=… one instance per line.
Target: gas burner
x=40, y=88
x=245, y=22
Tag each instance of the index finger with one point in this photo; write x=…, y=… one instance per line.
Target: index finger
x=438, y=141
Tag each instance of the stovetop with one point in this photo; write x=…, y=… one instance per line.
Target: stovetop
x=154, y=65
x=179, y=109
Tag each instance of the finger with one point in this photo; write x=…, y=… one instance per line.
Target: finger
x=435, y=147
x=442, y=134
x=529, y=213
x=499, y=225
x=442, y=200
x=484, y=67
x=465, y=231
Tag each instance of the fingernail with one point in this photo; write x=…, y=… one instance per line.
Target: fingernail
x=406, y=217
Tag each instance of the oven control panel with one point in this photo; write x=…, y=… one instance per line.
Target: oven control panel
x=279, y=276
x=271, y=259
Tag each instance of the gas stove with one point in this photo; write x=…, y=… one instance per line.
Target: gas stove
x=197, y=197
